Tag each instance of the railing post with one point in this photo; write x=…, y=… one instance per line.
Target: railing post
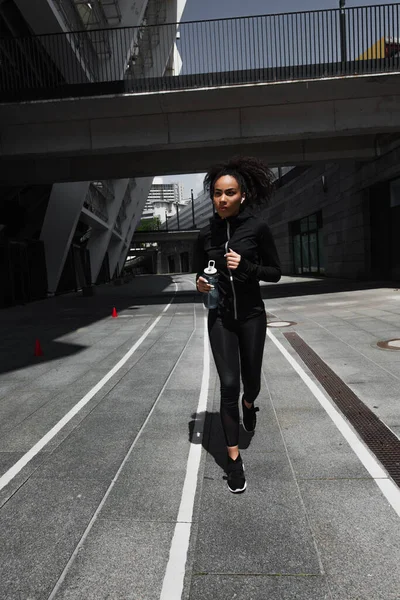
x=191, y=195
x=343, y=43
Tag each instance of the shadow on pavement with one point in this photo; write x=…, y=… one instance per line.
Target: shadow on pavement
x=51, y=319
x=307, y=287
x=213, y=439
x=54, y=318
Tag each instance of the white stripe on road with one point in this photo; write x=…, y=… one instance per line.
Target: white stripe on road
x=388, y=488
x=175, y=572
x=24, y=460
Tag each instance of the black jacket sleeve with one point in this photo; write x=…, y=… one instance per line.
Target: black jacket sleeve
x=270, y=268
x=199, y=255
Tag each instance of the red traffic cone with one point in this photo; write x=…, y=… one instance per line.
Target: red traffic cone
x=38, y=349
x=114, y=313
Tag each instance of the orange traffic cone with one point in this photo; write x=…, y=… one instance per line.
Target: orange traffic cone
x=114, y=313
x=38, y=349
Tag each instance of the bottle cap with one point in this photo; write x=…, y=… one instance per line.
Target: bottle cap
x=210, y=270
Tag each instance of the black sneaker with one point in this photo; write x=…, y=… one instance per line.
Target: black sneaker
x=249, y=417
x=236, y=478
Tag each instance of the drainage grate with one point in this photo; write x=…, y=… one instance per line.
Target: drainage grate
x=379, y=438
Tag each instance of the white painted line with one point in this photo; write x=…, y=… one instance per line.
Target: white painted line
x=388, y=488
x=24, y=460
x=175, y=571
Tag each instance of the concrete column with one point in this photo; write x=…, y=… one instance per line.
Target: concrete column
x=44, y=16
x=62, y=216
x=100, y=239
x=132, y=12
x=118, y=254
x=159, y=262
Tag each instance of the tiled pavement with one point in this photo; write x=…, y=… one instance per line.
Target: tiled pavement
x=91, y=516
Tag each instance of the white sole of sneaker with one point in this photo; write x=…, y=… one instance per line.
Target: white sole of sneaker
x=238, y=491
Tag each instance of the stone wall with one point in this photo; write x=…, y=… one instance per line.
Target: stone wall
x=341, y=191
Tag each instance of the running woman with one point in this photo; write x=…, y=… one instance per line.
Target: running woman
x=240, y=242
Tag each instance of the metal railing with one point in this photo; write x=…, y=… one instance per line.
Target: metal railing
x=268, y=48
x=96, y=203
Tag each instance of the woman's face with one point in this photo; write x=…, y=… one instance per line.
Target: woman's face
x=227, y=196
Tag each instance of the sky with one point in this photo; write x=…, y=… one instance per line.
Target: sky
x=198, y=10
x=218, y=9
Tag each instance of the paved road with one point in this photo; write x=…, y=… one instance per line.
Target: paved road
x=111, y=454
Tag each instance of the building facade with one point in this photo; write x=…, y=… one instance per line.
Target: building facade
x=340, y=219
x=163, y=201
x=335, y=220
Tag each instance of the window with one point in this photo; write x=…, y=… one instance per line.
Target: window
x=307, y=240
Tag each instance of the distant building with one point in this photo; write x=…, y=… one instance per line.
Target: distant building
x=162, y=200
x=198, y=215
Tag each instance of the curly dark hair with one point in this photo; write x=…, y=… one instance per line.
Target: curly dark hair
x=255, y=179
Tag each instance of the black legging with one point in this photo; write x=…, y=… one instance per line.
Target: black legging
x=237, y=347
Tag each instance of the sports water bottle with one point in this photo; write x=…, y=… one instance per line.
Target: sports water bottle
x=211, y=274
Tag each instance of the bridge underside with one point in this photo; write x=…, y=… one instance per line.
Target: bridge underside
x=169, y=161
x=176, y=132
x=140, y=237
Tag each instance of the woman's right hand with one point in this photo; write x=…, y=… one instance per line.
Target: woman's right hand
x=203, y=286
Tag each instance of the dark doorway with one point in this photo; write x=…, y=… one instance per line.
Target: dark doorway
x=395, y=228
x=185, y=262
x=171, y=264
x=385, y=225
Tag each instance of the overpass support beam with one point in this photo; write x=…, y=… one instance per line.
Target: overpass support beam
x=134, y=213
x=62, y=216
x=160, y=261
x=44, y=16
x=41, y=15
x=99, y=243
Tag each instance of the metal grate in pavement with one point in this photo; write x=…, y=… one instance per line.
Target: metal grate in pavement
x=376, y=435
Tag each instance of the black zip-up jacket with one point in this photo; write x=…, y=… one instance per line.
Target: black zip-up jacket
x=248, y=235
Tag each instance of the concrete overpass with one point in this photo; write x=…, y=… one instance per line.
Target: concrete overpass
x=140, y=237
x=174, y=250
x=296, y=122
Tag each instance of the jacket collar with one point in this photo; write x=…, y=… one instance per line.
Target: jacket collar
x=245, y=213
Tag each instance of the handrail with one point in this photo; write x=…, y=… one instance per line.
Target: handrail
x=216, y=52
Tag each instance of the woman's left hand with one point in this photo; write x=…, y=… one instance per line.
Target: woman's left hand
x=232, y=259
